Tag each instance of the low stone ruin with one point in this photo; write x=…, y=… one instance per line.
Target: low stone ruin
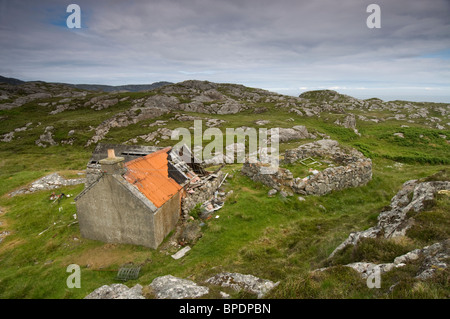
x=49, y=182
x=354, y=170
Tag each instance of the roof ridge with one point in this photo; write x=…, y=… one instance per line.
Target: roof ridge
x=166, y=149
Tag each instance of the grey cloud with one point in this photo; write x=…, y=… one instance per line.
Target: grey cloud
x=255, y=42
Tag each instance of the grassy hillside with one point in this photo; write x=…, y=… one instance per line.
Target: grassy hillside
x=276, y=238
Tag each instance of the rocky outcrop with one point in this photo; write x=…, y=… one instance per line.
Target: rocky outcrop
x=102, y=102
x=348, y=122
x=24, y=100
x=210, y=122
x=294, y=133
x=434, y=257
x=116, y=291
x=46, y=139
x=123, y=119
x=170, y=287
x=8, y=137
x=238, y=281
x=161, y=133
x=3, y=234
x=395, y=221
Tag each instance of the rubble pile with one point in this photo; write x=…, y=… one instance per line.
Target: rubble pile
x=49, y=182
x=201, y=191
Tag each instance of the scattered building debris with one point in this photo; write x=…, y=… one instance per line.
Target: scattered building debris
x=128, y=273
x=181, y=252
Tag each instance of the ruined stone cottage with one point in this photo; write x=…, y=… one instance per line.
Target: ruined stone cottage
x=138, y=197
x=135, y=202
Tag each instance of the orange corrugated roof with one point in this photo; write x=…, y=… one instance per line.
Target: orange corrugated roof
x=150, y=175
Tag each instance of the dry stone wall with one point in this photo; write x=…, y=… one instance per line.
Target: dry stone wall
x=354, y=170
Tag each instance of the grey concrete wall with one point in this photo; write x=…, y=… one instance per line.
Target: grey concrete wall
x=166, y=218
x=109, y=212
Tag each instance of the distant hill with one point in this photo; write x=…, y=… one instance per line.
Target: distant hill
x=128, y=88
x=99, y=87
x=11, y=81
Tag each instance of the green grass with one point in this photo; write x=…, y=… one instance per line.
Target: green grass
x=282, y=239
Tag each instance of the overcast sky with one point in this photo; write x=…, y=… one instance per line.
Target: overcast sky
x=286, y=46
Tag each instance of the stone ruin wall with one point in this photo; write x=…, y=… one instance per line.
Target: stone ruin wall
x=354, y=170
x=93, y=172
x=201, y=194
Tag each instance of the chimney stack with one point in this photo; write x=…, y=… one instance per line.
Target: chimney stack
x=111, y=153
x=112, y=164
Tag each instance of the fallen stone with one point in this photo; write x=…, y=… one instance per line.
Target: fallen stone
x=179, y=254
